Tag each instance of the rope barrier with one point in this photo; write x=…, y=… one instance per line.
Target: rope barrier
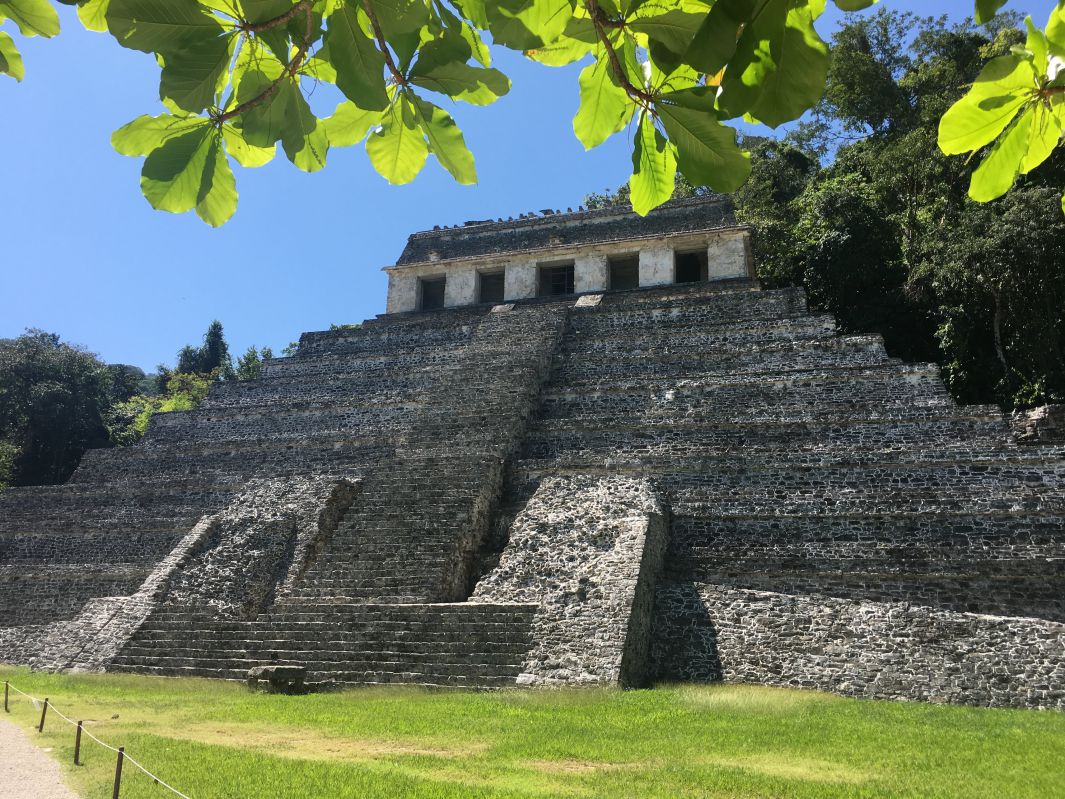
x=36, y=703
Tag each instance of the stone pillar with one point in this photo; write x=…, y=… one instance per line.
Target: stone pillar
x=590, y=273
x=461, y=286
x=402, y=292
x=656, y=267
x=727, y=258
x=520, y=282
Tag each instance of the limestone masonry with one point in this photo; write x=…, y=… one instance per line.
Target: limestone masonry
x=579, y=449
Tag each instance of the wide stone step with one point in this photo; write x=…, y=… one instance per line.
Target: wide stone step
x=671, y=333
x=339, y=678
x=849, y=352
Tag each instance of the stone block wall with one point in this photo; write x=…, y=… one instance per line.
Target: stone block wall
x=587, y=551
x=810, y=478
x=825, y=502
x=872, y=649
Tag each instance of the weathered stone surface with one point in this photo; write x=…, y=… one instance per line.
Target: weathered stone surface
x=836, y=520
x=581, y=228
x=871, y=649
x=278, y=679
x=588, y=552
x=263, y=543
x=1042, y=425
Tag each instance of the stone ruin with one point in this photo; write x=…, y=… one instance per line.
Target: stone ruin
x=579, y=449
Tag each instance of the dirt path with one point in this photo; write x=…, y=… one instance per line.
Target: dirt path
x=27, y=772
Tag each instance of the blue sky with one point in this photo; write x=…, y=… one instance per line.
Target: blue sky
x=83, y=255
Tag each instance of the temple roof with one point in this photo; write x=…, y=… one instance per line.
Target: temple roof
x=553, y=229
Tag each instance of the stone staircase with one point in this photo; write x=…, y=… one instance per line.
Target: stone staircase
x=797, y=461
x=452, y=645
x=805, y=474
x=423, y=414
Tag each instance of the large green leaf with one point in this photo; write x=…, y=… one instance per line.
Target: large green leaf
x=160, y=26
x=303, y=137
x=654, y=168
x=317, y=67
x=262, y=124
x=715, y=42
x=146, y=133
x=10, y=58
x=528, y=24
x=1043, y=137
x=854, y=5
x=216, y=201
x=245, y=154
x=478, y=49
x=349, y=124
x=258, y=11
x=666, y=26
x=445, y=49
x=33, y=17
x=193, y=77
x=1000, y=168
x=999, y=92
x=460, y=81
x=756, y=58
x=707, y=153
x=359, y=64
x=1037, y=45
x=93, y=15
x=398, y=17
x=577, y=41
x=191, y=171
x=1055, y=30
x=445, y=141
x=986, y=9
x=605, y=107
x=473, y=10
x=798, y=81
x=277, y=42
x=397, y=148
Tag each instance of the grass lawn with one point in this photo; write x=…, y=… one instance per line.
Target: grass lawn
x=216, y=740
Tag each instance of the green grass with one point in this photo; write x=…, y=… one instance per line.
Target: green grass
x=215, y=740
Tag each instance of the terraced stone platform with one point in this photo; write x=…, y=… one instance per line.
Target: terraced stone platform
x=681, y=482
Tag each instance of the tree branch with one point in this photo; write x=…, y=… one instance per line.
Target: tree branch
x=600, y=22
x=382, y=44
x=276, y=22
x=288, y=72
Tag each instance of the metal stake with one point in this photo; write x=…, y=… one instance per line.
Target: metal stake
x=44, y=710
x=77, y=745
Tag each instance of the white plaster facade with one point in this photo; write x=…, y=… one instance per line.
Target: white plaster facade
x=728, y=258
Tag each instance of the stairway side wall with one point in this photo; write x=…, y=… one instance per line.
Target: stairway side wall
x=588, y=550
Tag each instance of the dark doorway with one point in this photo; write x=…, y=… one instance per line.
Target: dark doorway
x=432, y=291
x=556, y=280
x=691, y=267
x=490, y=288
x=624, y=273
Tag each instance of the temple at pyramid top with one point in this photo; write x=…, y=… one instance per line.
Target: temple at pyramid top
x=552, y=253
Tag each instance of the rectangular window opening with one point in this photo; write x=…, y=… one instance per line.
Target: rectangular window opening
x=692, y=267
x=624, y=273
x=432, y=293
x=490, y=287
x=556, y=281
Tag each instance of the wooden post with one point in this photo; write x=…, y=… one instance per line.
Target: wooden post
x=44, y=710
x=77, y=745
x=5, y=697
x=118, y=771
